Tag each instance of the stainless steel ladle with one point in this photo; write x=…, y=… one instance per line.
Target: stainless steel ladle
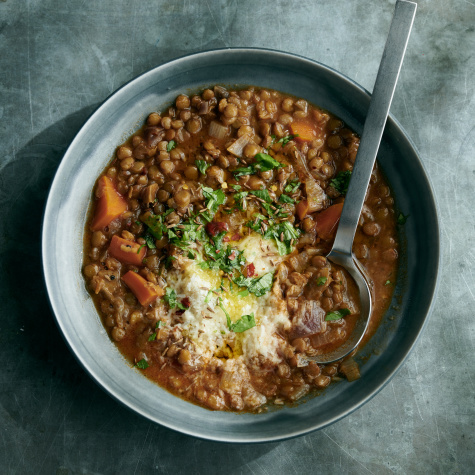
x=375, y=122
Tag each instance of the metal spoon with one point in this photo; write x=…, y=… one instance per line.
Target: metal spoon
x=375, y=122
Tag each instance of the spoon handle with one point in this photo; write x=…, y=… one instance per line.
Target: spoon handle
x=378, y=111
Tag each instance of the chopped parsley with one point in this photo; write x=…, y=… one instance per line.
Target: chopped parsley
x=150, y=241
x=286, y=199
x=171, y=300
x=159, y=324
x=292, y=186
x=214, y=199
x=142, y=364
x=152, y=337
x=388, y=282
x=285, y=140
x=337, y=314
x=258, y=286
x=244, y=323
x=202, y=166
x=401, y=219
x=321, y=280
x=171, y=145
x=341, y=181
x=156, y=225
x=263, y=163
x=240, y=199
x=241, y=325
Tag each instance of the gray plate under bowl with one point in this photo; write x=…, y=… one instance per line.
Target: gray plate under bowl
x=123, y=113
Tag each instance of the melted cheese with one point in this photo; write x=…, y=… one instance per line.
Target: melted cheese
x=205, y=324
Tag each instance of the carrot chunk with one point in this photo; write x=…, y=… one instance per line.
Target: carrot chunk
x=302, y=209
x=305, y=131
x=110, y=204
x=327, y=221
x=127, y=252
x=146, y=292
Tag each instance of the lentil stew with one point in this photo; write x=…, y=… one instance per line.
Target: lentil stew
x=204, y=252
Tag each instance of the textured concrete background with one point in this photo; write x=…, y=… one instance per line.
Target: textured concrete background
x=58, y=60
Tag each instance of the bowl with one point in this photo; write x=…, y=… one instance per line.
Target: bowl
x=122, y=114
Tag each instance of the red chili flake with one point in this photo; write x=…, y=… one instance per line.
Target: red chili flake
x=235, y=237
x=226, y=239
x=218, y=251
x=186, y=302
x=215, y=228
x=250, y=270
x=232, y=256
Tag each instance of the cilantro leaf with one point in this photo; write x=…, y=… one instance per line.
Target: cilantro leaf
x=214, y=199
x=341, y=181
x=150, y=241
x=244, y=323
x=142, y=364
x=202, y=166
x=152, y=337
x=171, y=145
x=337, y=314
x=240, y=199
x=285, y=140
x=263, y=163
x=244, y=171
x=292, y=186
x=262, y=194
x=401, y=219
x=171, y=300
x=286, y=199
x=228, y=318
x=258, y=286
x=321, y=281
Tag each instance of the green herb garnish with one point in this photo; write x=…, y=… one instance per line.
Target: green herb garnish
x=388, y=282
x=202, y=166
x=292, y=186
x=140, y=248
x=341, y=181
x=258, y=286
x=142, y=364
x=321, y=280
x=171, y=145
x=337, y=314
x=171, y=300
x=244, y=323
x=401, y=219
x=152, y=337
x=263, y=163
x=286, y=199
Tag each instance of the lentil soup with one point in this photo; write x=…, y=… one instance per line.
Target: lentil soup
x=204, y=252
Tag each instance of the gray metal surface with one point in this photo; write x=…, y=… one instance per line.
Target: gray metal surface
x=374, y=124
x=59, y=60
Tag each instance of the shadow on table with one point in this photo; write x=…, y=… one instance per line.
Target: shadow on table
x=61, y=409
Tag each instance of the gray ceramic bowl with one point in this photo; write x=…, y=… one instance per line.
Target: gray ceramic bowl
x=123, y=113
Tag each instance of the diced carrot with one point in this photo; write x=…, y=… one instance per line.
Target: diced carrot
x=127, y=252
x=327, y=221
x=302, y=209
x=305, y=131
x=146, y=292
x=110, y=204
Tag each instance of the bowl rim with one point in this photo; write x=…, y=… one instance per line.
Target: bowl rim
x=47, y=272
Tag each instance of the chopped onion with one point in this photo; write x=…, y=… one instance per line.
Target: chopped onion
x=316, y=197
x=237, y=147
x=309, y=320
x=217, y=130
x=350, y=369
